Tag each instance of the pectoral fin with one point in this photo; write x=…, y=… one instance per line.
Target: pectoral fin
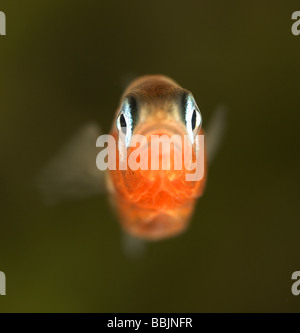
x=215, y=132
x=72, y=173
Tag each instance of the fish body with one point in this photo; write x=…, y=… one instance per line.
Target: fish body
x=155, y=204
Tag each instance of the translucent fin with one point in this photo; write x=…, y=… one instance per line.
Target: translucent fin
x=134, y=248
x=215, y=132
x=72, y=173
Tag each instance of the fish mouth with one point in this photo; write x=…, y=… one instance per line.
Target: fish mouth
x=162, y=128
x=162, y=140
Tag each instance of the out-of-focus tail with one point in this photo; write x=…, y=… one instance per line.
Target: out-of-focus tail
x=134, y=248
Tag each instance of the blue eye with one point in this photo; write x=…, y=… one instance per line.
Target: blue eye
x=193, y=118
x=124, y=123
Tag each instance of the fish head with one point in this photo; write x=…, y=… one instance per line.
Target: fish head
x=156, y=127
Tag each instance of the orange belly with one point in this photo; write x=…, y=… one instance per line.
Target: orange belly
x=154, y=204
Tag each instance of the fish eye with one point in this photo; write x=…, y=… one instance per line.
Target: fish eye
x=193, y=117
x=124, y=122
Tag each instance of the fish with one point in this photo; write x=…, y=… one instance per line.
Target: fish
x=151, y=205
x=155, y=204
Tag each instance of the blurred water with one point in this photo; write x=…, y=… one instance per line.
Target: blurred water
x=65, y=63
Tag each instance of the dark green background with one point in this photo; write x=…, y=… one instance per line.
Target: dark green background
x=64, y=63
